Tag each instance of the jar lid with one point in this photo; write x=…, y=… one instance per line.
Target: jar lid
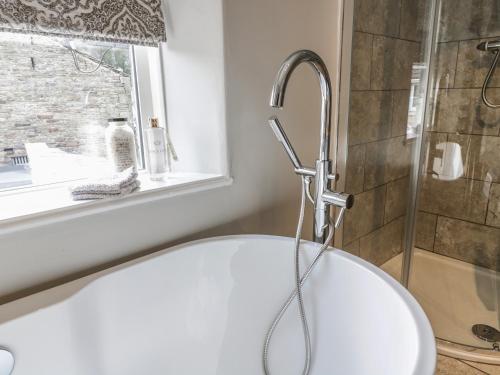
x=118, y=119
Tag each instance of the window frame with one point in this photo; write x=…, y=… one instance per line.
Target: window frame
x=139, y=74
x=193, y=68
x=150, y=100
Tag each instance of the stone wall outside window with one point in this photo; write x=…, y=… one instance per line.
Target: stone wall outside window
x=44, y=98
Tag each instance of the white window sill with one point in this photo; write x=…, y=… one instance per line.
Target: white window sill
x=49, y=201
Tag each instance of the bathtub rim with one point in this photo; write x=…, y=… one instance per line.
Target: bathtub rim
x=426, y=357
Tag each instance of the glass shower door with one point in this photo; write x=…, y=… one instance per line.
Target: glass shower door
x=423, y=160
x=388, y=78
x=455, y=262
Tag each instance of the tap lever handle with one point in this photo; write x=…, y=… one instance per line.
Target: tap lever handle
x=338, y=199
x=342, y=200
x=306, y=171
x=283, y=139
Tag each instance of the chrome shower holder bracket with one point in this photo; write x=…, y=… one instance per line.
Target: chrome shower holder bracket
x=493, y=47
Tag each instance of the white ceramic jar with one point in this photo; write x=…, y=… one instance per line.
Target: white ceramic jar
x=120, y=144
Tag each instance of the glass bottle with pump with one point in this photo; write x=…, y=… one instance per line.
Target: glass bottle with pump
x=157, y=150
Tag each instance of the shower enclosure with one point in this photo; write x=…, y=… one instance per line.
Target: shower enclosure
x=423, y=158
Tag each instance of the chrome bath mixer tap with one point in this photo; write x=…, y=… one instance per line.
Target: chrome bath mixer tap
x=323, y=196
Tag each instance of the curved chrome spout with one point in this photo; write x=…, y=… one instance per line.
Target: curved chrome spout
x=323, y=196
x=280, y=84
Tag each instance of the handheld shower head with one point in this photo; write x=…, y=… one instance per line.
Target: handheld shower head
x=283, y=139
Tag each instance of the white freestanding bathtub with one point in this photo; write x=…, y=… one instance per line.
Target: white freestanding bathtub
x=203, y=308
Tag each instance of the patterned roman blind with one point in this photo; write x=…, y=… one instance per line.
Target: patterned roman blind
x=122, y=21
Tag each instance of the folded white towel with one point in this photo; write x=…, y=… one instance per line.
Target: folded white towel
x=120, y=184
x=94, y=195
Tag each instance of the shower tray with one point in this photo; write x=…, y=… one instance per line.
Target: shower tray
x=455, y=296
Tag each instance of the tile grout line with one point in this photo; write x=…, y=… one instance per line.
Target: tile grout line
x=478, y=38
x=431, y=132
x=400, y=17
x=459, y=219
x=376, y=229
x=385, y=204
x=435, y=234
x=488, y=204
x=385, y=183
x=437, y=216
x=456, y=66
x=380, y=140
x=371, y=60
x=389, y=36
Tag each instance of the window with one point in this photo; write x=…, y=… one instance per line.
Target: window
x=185, y=76
x=56, y=95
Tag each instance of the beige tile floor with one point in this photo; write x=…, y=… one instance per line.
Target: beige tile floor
x=451, y=366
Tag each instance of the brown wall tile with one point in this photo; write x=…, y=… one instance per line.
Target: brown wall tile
x=400, y=101
x=396, y=199
x=483, y=161
x=462, y=198
x=386, y=161
x=377, y=16
x=473, y=65
x=493, y=216
x=366, y=215
x=472, y=243
x=355, y=170
x=383, y=244
x=468, y=19
x=352, y=247
x=392, y=62
x=461, y=111
x=370, y=116
x=425, y=230
x=446, y=64
x=412, y=19
x=361, y=61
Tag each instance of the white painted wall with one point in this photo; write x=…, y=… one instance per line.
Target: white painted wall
x=254, y=38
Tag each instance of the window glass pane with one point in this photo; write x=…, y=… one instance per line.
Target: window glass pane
x=55, y=98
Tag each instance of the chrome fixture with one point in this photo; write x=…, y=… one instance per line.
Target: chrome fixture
x=486, y=333
x=6, y=362
x=493, y=47
x=323, y=197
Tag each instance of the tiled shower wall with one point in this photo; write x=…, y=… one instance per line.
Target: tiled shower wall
x=386, y=43
x=460, y=218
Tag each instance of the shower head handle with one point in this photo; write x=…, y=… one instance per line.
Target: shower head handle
x=280, y=134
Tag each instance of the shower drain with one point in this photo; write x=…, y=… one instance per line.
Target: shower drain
x=486, y=333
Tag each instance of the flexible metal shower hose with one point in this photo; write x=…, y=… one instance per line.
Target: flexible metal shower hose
x=299, y=282
x=487, y=81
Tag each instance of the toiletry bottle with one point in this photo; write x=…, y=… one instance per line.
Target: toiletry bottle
x=120, y=145
x=157, y=150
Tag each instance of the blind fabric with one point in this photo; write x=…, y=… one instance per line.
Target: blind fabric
x=122, y=21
